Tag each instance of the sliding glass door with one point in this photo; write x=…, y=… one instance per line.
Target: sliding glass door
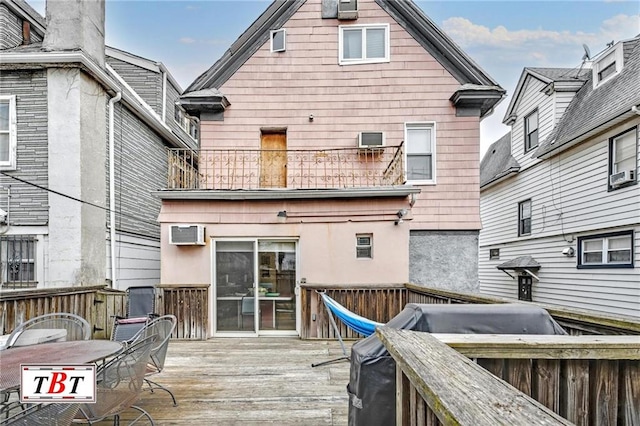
x=255, y=286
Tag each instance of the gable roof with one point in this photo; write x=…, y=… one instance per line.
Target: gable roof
x=406, y=13
x=593, y=108
x=547, y=76
x=498, y=162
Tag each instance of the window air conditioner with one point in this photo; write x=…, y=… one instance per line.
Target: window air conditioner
x=370, y=140
x=619, y=178
x=348, y=9
x=186, y=235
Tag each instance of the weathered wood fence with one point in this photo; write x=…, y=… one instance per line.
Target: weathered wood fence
x=190, y=305
x=587, y=380
x=97, y=304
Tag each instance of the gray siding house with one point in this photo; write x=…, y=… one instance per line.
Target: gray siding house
x=560, y=200
x=84, y=132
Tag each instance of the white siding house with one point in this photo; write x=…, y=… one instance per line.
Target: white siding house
x=566, y=210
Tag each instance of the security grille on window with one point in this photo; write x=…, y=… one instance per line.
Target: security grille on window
x=17, y=253
x=531, y=131
x=8, y=132
x=614, y=250
x=623, y=155
x=420, y=148
x=524, y=218
x=364, y=44
x=364, y=246
x=278, y=40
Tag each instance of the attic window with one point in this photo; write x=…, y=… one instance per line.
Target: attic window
x=608, y=65
x=364, y=44
x=278, y=40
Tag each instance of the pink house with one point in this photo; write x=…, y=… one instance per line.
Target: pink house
x=339, y=144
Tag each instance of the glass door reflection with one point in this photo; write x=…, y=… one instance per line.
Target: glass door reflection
x=276, y=284
x=235, y=284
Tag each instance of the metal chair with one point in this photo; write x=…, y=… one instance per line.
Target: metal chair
x=77, y=328
x=43, y=415
x=141, y=306
x=119, y=384
x=162, y=327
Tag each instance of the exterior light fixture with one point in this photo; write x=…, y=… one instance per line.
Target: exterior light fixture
x=569, y=252
x=282, y=216
x=401, y=213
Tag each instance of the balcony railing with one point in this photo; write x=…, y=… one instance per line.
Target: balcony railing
x=299, y=169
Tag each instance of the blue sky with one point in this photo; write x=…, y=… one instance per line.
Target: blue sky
x=503, y=37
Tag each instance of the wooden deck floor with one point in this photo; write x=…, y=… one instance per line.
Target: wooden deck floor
x=251, y=381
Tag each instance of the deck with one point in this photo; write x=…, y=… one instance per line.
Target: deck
x=248, y=381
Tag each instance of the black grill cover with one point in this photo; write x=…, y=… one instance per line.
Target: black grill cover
x=372, y=381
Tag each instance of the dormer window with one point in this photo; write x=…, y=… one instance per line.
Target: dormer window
x=608, y=65
x=531, y=131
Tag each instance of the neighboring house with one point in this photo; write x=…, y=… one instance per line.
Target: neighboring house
x=339, y=145
x=58, y=110
x=560, y=196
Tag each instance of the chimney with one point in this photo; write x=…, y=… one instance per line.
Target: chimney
x=26, y=32
x=76, y=25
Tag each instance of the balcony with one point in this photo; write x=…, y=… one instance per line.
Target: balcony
x=229, y=169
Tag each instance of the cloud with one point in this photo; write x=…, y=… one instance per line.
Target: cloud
x=187, y=40
x=539, y=44
x=210, y=42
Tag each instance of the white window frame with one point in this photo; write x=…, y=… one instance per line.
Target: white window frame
x=284, y=40
x=421, y=125
x=613, y=161
x=528, y=146
x=10, y=164
x=605, y=238
x=364, y=246
x=522, y=218
x=611, y=55
x=363, y=60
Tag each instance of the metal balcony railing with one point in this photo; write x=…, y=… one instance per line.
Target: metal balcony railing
x=226, y=169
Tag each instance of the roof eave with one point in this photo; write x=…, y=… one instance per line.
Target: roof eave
x=500, y=178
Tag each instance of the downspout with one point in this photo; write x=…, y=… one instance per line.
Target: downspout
x=164, y=96
x=112, y=188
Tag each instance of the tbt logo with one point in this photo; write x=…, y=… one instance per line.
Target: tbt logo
x=57, y=383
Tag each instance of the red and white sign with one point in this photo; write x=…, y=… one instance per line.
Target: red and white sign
x=57, y=383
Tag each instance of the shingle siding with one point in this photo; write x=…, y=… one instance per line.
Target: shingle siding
x=29, y=205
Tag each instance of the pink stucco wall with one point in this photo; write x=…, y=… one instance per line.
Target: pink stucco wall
x=326, y=232
x=283, y=89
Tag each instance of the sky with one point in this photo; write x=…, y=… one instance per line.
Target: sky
x=503, y=37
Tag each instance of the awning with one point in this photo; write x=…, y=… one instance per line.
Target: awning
x=520, y=264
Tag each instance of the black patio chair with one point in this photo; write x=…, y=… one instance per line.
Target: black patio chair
x=141, y=307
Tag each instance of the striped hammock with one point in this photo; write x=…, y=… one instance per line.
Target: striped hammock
x=362, y=325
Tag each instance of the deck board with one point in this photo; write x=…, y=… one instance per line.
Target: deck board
x=251, y=381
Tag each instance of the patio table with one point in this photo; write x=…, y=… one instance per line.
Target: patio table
x=73, y=352
x=35, y=336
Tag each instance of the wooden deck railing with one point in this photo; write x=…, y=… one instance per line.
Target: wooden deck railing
x=573, y=321
x=227, y=169
x=97, y=304
x=190, y=305
x=377, y=302
x=436, y=385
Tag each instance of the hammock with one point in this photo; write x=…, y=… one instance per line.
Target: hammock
x=362, y=325
x=354, y=321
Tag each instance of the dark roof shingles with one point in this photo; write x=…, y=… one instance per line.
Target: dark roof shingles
x=498, y=161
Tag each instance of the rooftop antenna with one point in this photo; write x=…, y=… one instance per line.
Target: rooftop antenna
x=586, y=57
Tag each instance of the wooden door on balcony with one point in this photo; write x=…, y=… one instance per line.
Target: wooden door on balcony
x=273, y=160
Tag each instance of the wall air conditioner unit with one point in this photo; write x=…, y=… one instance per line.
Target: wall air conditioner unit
x=619, y=178
x=186, y=235
x=369, y=140
x=348, y=9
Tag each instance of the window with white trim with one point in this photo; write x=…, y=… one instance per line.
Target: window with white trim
x=8, y=133
x=420, y=148
x=531, y=131
x=360, y=44
x=364, y=246
x=524, y=218
x=623, y=154
x=613, y=250
x=608, y=65
x=278, y=40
